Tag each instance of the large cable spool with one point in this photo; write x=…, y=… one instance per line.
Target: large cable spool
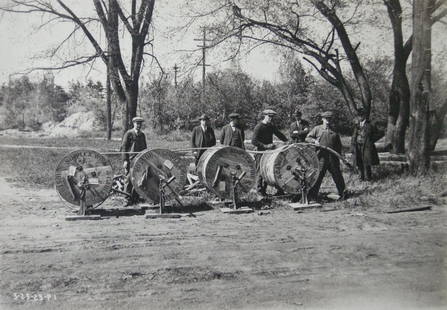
x=277, y=167
x=150, y=166
x=217, y=166
x=88, y=167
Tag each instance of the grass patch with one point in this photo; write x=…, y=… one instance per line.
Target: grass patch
x=30, y=167
x=36, y=166
x=394, y=191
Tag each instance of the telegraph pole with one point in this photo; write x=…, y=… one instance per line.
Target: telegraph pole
x=175, y=74
x=204, y=65
x=108, y=97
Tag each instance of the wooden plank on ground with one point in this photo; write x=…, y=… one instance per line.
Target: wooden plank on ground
x=163, y=216
x=297, y=206
x=236, y=211
x=83, y=217
x=410, y=209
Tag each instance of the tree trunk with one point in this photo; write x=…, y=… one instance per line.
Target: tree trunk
x=421, y=86
x=125, y=119
x=398, y=112
x=403, y=95
x=132, y=101
x=398, y=104
x=436, y=124
x=391, y=121
x=109, y=105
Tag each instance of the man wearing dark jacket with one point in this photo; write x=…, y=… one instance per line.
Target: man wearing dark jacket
x=263, y=140
x=324, y=135
x=202, y=137
x=233, y=134
x=134, y=140
x=299, y=128
x=364, y=153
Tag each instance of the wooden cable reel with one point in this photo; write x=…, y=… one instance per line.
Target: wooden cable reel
x=150, y=166
x=86, y=169
x=281, y=167
x=217, y=167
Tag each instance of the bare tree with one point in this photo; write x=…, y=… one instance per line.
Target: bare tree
x=399, y=98
x=113, y=17
x=290, y=24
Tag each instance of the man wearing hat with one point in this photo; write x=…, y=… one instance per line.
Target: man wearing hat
x=324, y=135
x=202, y=136
x=134, y=140
x=263, y=140
x=299, y=128
x=364, y=153
x=233, y=134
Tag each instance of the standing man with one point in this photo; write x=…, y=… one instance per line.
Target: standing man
x=324, y=135
x=233, y=134
x=364, y=153
x=263, y=140
x=299, y=128
x=202, y=136
x=134, y=140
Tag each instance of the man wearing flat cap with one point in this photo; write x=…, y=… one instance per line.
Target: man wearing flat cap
x=233, y=134
x=363, y=150
x=263, y=140
x=202, y=136
x=324, y=135
x=299, y=128
x=134, y=140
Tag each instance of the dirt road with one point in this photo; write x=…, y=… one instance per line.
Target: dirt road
x=346, y=259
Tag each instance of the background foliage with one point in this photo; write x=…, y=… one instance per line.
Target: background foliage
x=27, y=104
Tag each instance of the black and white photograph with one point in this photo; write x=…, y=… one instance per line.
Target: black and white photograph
x=223, y=154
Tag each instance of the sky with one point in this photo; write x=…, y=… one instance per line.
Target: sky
x=21, y=44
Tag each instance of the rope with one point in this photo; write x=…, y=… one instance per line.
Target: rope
x=339, y=156
x=118, y=153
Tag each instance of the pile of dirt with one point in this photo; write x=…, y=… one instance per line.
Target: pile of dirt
x=73, y=125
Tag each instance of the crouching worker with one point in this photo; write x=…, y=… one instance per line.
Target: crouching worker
x=134, y=140
x=324, y=135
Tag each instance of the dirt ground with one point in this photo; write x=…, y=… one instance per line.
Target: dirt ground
x=343, y=259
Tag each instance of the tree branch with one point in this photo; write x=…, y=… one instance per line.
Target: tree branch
x=66, y=64
x=125, y=21
x=92, y=40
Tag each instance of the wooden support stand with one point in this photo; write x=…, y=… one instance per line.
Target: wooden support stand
x=300, y=174
x=84, y=186
x=164, y=183
x=237, y=208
